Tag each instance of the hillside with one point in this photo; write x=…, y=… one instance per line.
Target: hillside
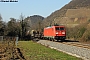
x=34, y=21
x=75, y=12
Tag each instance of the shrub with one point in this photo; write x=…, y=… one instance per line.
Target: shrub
x=86, y=35
x=76, y=32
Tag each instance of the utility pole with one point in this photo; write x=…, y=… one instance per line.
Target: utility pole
x=22, y=27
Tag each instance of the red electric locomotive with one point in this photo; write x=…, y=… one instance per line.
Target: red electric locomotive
x=55, y=32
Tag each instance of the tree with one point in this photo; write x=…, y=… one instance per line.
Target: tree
x=0, y=17
x=0, y=21
x=1, y=26
x=23, y=26
x=12, y=27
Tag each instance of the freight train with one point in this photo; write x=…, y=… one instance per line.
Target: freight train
x=51, y=33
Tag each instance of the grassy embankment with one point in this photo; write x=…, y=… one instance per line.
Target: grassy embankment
x=35, y=51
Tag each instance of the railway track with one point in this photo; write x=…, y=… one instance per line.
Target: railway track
x=77, y=44
x=72, y=48
x=73, y=43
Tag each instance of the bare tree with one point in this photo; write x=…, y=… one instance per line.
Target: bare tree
x=22, y=25
x=0, y=17
x=2, y=26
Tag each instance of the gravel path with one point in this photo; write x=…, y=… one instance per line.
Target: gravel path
x=83, y=53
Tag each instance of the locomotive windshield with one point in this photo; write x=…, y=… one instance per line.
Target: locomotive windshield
x=59, y=28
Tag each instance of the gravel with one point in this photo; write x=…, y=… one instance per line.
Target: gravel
x=83, y=53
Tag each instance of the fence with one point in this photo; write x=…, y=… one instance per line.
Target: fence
x=8, y=40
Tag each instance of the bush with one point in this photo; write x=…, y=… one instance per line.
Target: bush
x=76, y=32
x=86, y=35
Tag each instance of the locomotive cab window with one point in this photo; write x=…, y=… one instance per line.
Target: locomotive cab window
x=59, y=28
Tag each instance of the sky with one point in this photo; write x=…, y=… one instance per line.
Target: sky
x=29, y=8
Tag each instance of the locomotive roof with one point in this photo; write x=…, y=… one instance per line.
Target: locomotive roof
x=53, y=26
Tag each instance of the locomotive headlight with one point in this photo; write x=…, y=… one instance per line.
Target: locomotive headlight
x=56, y=32
x=63, y=32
